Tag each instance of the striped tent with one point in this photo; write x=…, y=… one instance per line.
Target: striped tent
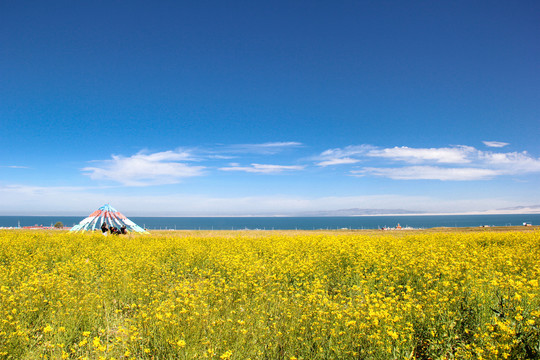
x=109, y=215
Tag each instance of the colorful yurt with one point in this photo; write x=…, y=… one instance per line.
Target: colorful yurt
x=109, y=215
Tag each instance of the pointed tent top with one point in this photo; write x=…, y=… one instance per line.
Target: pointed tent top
x=107, y=207
x=109, y=215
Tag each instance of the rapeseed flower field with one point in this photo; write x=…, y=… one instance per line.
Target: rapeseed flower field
x=269, y=295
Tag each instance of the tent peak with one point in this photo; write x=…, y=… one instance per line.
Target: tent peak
x=107, y=207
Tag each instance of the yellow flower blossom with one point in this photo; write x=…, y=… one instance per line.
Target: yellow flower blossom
x=324, y=294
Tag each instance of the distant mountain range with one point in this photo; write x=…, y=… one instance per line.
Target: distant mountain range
x=358, y=212
x=518, y=208
x=531, y=209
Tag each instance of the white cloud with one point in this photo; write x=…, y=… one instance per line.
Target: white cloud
x=347, y=155
x=458, y=163
x=430, y=173
x=351, y=150
x=145, y=169
x=264, y=148
x=170, y=167
x=166, y=155
x=496, y=144
x=351, y=154
x=338, y=161
x=512, y=163
x=262, y=168
x=452, y=155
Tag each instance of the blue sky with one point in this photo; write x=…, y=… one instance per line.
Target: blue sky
x=250, y=108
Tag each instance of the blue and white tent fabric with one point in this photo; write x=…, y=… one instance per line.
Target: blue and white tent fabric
x=109, y=215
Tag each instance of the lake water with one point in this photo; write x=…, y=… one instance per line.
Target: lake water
x=291, y=223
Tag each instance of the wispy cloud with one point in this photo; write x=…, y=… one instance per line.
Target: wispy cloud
x=170, y=167
x=448, y=155
x=14, y=166
x=262, y=168
x=338, y=161
x=348, y=155
x=457, y=163
x=429, y=173
x=512, y=162
x=351, y=150
x=450, y=163
x=264, y=148
x=496, y=144
x=145, y=169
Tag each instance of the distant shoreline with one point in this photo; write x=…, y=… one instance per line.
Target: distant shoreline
x=472, y=213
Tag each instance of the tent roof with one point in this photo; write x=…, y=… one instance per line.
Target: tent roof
x=109, y=215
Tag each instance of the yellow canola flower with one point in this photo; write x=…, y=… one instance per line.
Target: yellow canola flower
x=257, y=294
x=226, y=355
x=392, y=334
x=47, y=329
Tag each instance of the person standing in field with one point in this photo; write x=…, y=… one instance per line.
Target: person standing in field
x=104, y=228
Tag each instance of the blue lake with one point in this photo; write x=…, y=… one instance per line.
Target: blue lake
x=291, y=223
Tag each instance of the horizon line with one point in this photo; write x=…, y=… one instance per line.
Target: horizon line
x=487, y=212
